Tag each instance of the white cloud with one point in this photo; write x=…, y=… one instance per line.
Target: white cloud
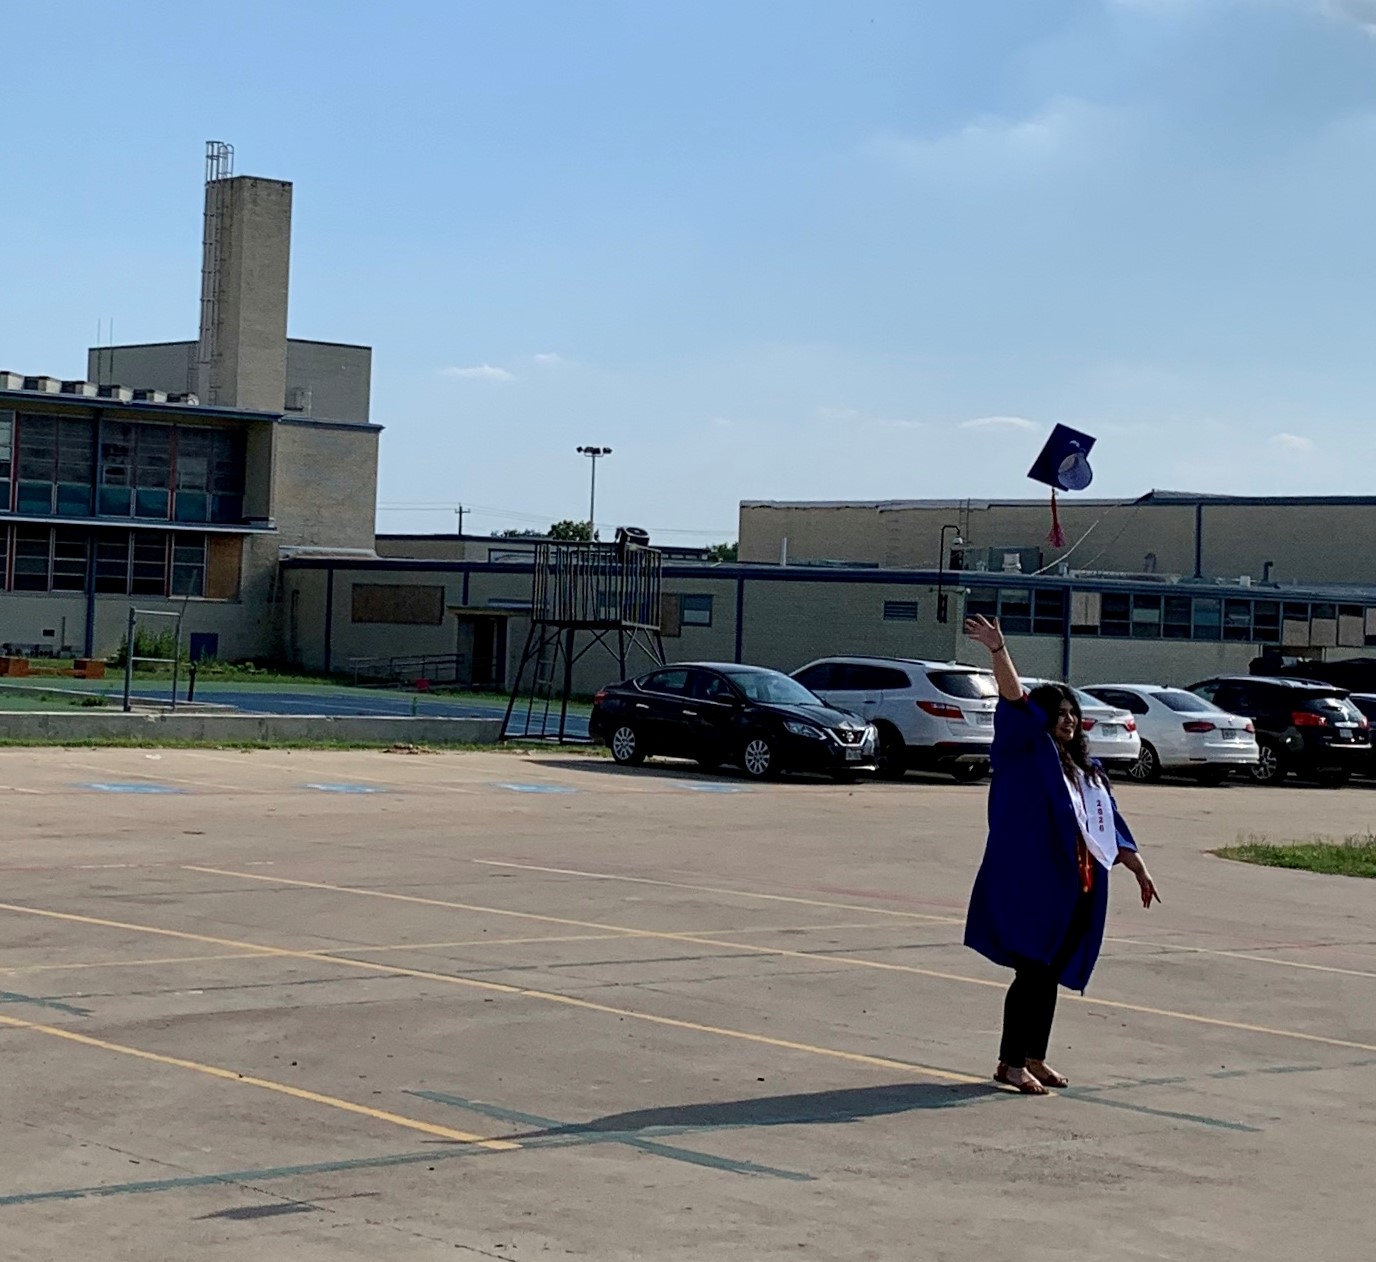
x=1000, y=422
x=1065, y=129
x=722, y=422
x=481, y=372
x=550, y=359
x=1290, y=442
x=1363, y=12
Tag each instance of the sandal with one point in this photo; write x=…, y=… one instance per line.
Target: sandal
x=1026, y=1085
x=1047, y=1076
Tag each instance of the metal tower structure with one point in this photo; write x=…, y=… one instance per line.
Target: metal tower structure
x=606, y=594
x=219, y=169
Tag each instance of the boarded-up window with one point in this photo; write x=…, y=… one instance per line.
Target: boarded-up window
x=671, y=615
x=224, y=558
x=398, y=603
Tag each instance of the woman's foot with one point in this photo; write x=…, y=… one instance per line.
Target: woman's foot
x=1019, y=1078
x=1045, y=1075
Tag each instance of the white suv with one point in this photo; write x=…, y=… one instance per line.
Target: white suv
x=930, y=715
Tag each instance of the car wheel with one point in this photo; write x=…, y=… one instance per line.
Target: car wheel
x=1147, y=768
x=891, y=760
x=1211, y=777
x=1268, y=769
x=626, y=746
x=760, y=758
x=969, y=772
x=1333, y=777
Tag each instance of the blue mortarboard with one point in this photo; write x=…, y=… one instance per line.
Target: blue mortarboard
x=1063, y=463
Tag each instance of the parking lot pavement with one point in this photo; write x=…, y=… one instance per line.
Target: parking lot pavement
x=365, y=1005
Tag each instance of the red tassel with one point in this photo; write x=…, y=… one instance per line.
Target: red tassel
x=1057, y=536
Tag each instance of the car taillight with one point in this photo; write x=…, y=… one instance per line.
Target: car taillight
x=1251, y=727
x=600, y=698
x=1087, y=725
x=940, y=710
x=1308, y=718
x=1130, y=724
x=1199, y=725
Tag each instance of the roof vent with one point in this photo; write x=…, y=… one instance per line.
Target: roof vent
x=87, y=389
x=150, y=396
x=122, y=393
x=47, y=385
x=190, y=400
x=11, y=380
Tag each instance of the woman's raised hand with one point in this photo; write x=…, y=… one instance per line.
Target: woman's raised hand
x=985, y=631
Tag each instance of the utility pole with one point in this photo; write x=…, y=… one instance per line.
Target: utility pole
x=459, y=512
x=594, y=454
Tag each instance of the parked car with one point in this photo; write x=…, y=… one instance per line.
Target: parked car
x=1111, y=731
x=1303, y=728
x=1182, y=732
x=1366, y=703
x=929, y=715
x=759, y=720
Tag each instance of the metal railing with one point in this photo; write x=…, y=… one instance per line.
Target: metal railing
x=434, y=668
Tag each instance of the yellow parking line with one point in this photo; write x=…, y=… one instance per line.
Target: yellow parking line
x=83, y=964
x=913, y=915
x=816, y=957
x=281, y=1088
x=568, y=1001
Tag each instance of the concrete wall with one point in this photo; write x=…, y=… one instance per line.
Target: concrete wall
x=1308, y=543
x=229, y=729
x=338, y=376
x=169, y=366
x=325, y=484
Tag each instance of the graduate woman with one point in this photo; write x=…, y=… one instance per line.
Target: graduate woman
x=1041, y=896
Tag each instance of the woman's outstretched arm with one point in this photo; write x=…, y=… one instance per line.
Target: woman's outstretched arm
x=988, y=634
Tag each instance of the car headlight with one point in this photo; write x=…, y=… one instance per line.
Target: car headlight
x=805, y=729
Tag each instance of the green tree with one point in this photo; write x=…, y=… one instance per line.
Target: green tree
x=571, y=531
x=520, y=534
x=724, y=552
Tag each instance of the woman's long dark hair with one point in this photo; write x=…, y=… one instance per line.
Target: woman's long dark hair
x=1074, y=753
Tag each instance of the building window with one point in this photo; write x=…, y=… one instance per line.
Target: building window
x=1146, y=617
x=70, y=558
x=149, y=570
x=982, y=602
x=1175, y=621
x=1115, y=615
x=56, y=462
x=900, y=611
x=188, y=565
x=112, y=562
x=32, y=556
x=6, y=458
x=1208, y=619
x=1048, y=612
x=406, y=604
x=1015, y=610
x=697, y=610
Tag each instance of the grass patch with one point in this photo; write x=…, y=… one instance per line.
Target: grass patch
x=1352, y=856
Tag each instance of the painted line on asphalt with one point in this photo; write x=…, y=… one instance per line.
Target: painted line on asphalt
x=812, y=956
x=1168, y=947
x=265, y=1084
x=568, y=1001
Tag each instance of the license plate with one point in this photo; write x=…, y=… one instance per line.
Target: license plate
x=852, y=755
x=1230, y=735
x=983, y=720
x=1111, y=730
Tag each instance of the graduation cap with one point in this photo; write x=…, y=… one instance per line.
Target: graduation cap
x=1063, y=465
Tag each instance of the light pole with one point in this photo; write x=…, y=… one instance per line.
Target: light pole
x=942, y=612
x=594, y=454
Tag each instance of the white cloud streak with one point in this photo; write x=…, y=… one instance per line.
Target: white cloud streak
x=480, y=372
x=1001, y=422
x=1293, y=443
x=1362, y=12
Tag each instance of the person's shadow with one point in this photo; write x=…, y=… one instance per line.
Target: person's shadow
x=818, y=1108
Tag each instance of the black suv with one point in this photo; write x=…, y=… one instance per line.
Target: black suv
x=714, y=713
x=1311, y=729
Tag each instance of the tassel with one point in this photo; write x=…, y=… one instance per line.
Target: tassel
x=1057, y=536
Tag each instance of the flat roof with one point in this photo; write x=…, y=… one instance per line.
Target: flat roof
x=1162, y=498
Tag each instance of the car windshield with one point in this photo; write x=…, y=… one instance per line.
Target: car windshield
x=1093, y=703
x=772, y=687
x=1182, y=702
x=968, y=684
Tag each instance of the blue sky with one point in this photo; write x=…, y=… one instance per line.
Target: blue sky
x=763, y=250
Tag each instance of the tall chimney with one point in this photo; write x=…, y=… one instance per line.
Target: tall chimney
x=242, y=353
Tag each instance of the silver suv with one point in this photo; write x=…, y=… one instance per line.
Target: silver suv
x=930, y=715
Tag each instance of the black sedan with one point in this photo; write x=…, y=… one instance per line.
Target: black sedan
x=760, y=720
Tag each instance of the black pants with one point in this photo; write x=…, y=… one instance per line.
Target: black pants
x=1030, y=1005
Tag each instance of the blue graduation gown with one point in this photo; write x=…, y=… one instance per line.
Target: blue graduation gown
x=1029, y=881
